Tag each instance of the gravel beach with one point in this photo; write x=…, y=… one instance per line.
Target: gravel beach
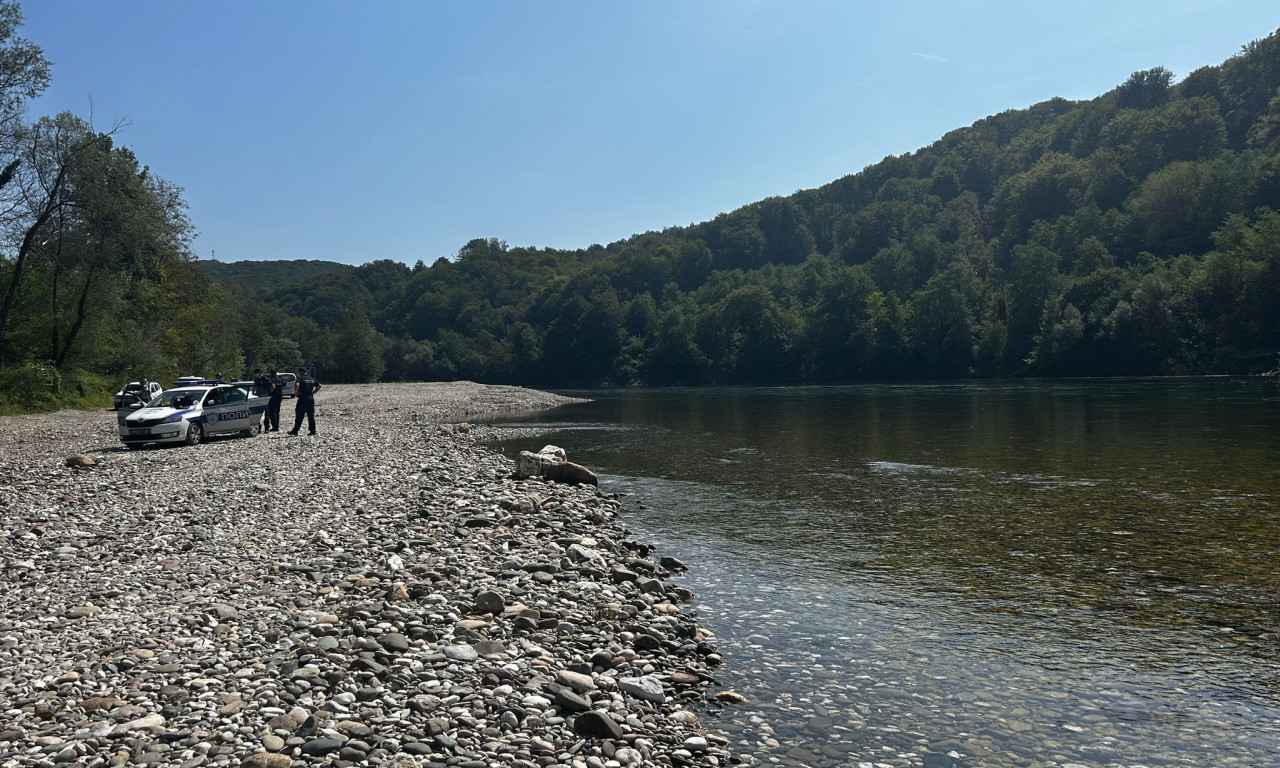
x=381, y=594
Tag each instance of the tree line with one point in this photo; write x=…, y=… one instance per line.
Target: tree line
x=1136, y=233
x=97, y=276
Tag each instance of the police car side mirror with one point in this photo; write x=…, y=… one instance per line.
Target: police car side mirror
x=135, y=406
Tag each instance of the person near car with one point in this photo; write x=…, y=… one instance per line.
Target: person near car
x=307, y=388
x=273, y=405
x=261, y=386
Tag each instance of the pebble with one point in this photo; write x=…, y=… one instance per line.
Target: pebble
x=385, y=594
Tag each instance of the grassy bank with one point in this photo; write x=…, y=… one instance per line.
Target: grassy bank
x=36, y=388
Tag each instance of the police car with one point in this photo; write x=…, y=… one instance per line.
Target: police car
x=192, y=413
x=134, y=392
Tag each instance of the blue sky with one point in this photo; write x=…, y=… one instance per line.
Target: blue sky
x=353, y=131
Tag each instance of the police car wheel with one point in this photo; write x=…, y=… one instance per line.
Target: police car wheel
x=252, y=431
x=194, y=434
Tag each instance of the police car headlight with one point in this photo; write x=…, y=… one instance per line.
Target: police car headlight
x=174, y=419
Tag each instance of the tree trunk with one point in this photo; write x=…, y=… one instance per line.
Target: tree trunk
x=78, y=324
x=54, y=335
x=52, y=204
x=20, y=263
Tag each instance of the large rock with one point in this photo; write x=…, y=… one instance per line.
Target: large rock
x=317, y=747
x=80, y=460
x=576, y=680
x=489, y=602
x=530, y=464
x=568, y=699
x=597, y=724
x=647, y=688
x=555, y=452
x=551, y=463
x=462, y=653
x=568, y=472
x=141, y=724
x=266, y=760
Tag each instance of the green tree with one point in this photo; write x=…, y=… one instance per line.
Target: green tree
x=358, y=353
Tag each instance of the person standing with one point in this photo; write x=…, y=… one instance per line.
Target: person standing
x=307, y=388
x=261, y=385
x=273, y=405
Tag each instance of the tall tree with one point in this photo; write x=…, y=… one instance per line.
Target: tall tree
x=48, y=151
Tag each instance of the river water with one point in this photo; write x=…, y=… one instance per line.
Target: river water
x=983, y=574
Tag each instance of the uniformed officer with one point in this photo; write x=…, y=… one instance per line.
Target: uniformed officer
x=307, y=388
x=261, y=386
x=273, y=405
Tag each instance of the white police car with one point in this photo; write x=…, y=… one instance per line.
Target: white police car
x=135, y=392
x=192, y=413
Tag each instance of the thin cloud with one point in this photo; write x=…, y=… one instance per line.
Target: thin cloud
x=944, y=60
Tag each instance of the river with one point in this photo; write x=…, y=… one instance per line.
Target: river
x=1069, y=573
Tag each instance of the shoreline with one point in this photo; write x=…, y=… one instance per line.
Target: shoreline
x=383, y=594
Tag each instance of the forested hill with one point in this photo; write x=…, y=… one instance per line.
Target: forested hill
x=1134, y=233
x=258, y=278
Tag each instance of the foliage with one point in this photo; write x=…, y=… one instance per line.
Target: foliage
x=1133, y=233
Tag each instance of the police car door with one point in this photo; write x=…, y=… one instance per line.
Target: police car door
x=234, y=413
x=214, y=411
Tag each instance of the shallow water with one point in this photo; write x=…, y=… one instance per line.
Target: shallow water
x=1030, y=573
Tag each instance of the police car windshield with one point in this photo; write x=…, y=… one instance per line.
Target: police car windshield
x=168, y=398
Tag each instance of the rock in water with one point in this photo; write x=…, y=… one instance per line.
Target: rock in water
x=554, y=451
x=568, y=472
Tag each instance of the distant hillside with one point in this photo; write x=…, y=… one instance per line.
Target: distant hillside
x=1136, y=233
x=255, y=279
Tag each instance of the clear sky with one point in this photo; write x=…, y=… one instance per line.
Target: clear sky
x=352, y=131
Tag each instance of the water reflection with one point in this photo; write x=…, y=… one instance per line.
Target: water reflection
x=949, y=558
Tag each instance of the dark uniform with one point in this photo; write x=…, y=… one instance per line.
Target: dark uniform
x=273, y=405
x=307, y=389
x=261, y=384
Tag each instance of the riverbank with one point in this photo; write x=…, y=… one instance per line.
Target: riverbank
x=382, y=594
